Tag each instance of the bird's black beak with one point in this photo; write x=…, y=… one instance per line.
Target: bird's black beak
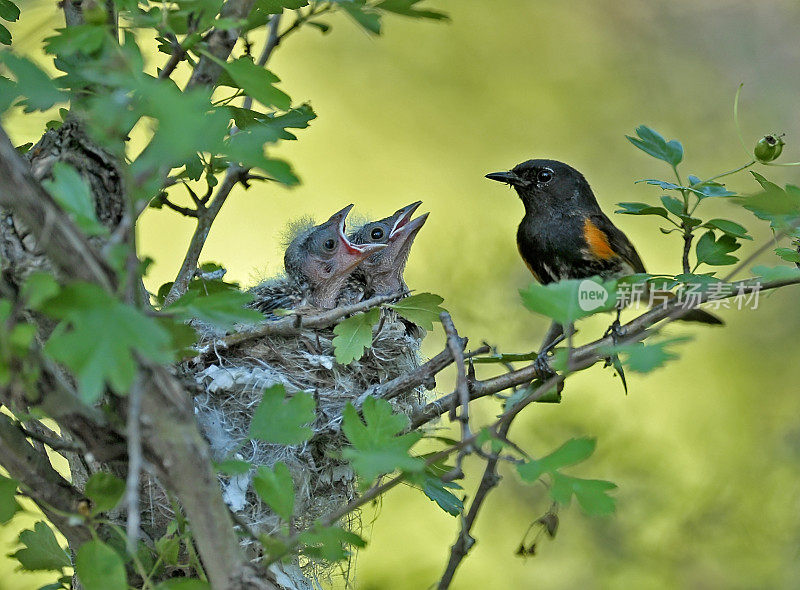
x=507, y=177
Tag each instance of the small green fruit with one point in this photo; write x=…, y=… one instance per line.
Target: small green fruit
x=769, y=148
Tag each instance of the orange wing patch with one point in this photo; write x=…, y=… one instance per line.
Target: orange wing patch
x=597, y=241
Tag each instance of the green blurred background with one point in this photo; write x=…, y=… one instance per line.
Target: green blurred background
x=706, y=452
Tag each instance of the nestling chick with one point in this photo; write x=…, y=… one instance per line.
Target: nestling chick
x=318, y=262
x=382, y=272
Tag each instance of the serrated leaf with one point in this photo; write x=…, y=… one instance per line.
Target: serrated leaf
x=329, y=543
x=99, y=338
x=247, y=148
x=729, y=227
x=72, y=194
x=38, y=288
x=571, y=452
x=276, y=488
x=715, y=252
x=367, y=18
x=277, y=6
x=5, y=36
x=409, y=8
x=422, y=309
x=39, y=91
x=8, y=502
x=644, y=358
x=653, y=143
x=354, y=336
x=42, y=551
x=75, y=39
x=673, y=205
x=788, y=254
x=569, y=300
x=377, y=445
x=282, y=420
x=592, y=494
x=232, y=467
x=9, y=11
x=105, y=491
x=222, y=308
x=778, y=206
x=776, y=273
x=257, y=82
x=99, y=567
x=438, y=491
x=641, y=209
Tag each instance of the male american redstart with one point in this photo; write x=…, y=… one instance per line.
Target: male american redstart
x=564, y=233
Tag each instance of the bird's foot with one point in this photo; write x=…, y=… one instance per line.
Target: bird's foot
x=542, y=363
x=617, y=332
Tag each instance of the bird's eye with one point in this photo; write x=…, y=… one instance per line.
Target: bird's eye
x=544, y=176
x=329, y=244
x=376, y=233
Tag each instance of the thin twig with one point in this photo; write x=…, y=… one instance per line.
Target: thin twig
x=455, y=346
x=134, y=467
x=465, y=540
x=204, y=221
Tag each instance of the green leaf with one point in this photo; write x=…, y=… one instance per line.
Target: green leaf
x=354, y=336
x=5, y=36
x=71, y=192
x=277, y=6
x=247, y=148
x=8, y=501
x=592, y=494
x=652, y=143
x=571, y=452
x=715, y=252
x=99, y=338
x=38, y=288
x=105, y=491
x=367, y=18
x=257, y=82
x=778, y=206
x=408, y=8
x=39, y=90
x=729, y=227
x=41, y=551
x=183, y=584
x=788, y=254
x=673, y=205
x=776, y=273
x=378, y=447
x=329, y=543
x=570, y=300
x=282, y=420
x=276, y=488
x=220, y=308
x=75, y=39
x=273, y=127
x=232, y=467
x=168, y=548
x=641, y=209
x=99, y=567
x=711, y=189
x=643, y=358
x=439, y=492
x=9, y=11
x=422, y=309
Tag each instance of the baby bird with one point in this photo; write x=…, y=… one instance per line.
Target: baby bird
x=382, y=272
x=318, y=262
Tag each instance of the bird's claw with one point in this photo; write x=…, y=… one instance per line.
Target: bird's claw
x=542, y=363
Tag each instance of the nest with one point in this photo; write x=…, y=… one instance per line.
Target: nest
x=230, y=383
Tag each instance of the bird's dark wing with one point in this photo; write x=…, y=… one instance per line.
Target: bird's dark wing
x=606, y=242
x=274, y=295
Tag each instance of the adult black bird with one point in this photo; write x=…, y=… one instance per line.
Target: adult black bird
x=564, y=233
x=382, y=272
x=318, y=262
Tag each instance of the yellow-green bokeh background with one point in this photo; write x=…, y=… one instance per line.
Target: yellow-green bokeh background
x=706, y=452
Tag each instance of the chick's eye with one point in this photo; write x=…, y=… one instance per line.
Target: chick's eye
x=376, y=233
x=544, y=176
x=329, y=244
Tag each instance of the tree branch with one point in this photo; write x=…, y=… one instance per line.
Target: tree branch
x=205, y=218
